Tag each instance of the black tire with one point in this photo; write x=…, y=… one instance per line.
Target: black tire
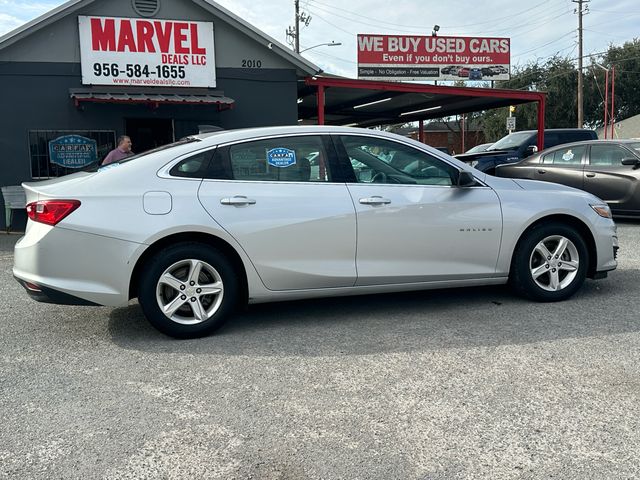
x=194, y=279
x=530, y=276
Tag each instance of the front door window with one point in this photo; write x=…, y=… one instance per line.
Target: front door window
x=380, y=161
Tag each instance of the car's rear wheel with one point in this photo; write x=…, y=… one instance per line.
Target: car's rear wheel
x=550, y=263
x=187, y=290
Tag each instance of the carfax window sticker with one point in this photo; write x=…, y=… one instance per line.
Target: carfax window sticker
x=281, y=157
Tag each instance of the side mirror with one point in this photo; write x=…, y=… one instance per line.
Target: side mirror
x=631, y=161
x=466, y=179
x=531, y=149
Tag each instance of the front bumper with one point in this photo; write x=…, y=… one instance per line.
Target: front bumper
x=606, y=239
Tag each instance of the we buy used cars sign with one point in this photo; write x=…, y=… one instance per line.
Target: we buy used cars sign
x=412, y=57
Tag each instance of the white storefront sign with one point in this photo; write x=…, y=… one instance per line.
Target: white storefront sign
x=141, y=52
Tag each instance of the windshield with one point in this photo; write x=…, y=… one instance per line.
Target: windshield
x=511, y=142
x=479, y=148
x=635, y=146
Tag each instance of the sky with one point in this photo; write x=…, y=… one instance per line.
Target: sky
x=538, y=29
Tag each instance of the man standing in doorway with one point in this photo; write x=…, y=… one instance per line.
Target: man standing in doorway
x=123, y=150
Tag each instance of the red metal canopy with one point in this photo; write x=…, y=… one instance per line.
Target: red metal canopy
x=151, y=96
x=345, y=101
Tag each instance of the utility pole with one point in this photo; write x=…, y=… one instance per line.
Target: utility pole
x=293, y=33
x=297, y=39
x=580, y=12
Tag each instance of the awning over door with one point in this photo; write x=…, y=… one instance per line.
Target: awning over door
x=151, y=96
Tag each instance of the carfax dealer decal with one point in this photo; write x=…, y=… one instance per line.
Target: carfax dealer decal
x=134, y=51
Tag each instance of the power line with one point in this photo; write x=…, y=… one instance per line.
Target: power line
x=532, y=22
x=320, y=6
x=544, y=45
x=550, y=15
x=335, y=58
x=608, y=34
x=616, y=20
x=499, y=19
x=407, y=28
x=422, y=27
x=316, y=8
x=575, y=46
x=625, y=13
x=333, y=25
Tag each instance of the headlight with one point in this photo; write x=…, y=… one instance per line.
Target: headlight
x=474, y=163
x=601, y=209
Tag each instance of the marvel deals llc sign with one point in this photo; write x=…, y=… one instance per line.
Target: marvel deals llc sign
x=134, y=51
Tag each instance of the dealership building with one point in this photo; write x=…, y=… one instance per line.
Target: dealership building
x=74, y=79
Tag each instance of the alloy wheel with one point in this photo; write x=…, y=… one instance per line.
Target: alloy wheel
x=554, y=263
x=189, y=291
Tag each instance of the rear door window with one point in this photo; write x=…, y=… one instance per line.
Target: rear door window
x=571, y=155
x=284, y=159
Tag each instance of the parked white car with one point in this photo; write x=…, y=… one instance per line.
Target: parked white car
x=196, y=228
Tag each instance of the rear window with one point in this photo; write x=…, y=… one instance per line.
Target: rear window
x=194, y=166
x=184, y=141
x=571, y=155
x=578, y=135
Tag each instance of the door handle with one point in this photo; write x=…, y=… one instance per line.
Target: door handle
x=375, y=200
x=591, y=175
x=540, y=170
x=237, y=200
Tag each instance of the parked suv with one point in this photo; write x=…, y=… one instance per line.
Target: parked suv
x=516, y=146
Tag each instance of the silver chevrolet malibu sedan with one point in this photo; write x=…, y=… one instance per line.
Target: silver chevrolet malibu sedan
x=199, y=227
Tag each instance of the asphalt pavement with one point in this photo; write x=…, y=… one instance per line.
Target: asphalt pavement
x=470, y=383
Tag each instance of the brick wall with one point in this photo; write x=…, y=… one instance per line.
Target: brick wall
x=452, y=140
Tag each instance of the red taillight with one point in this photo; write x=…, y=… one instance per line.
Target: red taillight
x=51, y=211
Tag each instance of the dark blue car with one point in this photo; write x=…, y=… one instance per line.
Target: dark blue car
x=520, y=145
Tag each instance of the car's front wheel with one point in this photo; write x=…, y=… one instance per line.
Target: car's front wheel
x=550, y=263
x=187, y=290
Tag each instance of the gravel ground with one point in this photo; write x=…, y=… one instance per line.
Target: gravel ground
x=470, y=383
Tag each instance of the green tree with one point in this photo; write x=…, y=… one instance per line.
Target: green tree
x=626, y=59
x=558, y=78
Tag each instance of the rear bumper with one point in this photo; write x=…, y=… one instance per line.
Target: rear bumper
x=74, y=268
x=50, y=295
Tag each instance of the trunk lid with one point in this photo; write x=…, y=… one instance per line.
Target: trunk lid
x=51, y=188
